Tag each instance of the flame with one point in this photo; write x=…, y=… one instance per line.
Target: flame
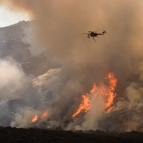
x=45, y=114
x=35, y=118
x=84, y=106
x=107, y=92
x=93, y=88
x=111, y=91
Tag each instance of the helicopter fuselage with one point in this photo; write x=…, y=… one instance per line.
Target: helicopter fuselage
x=93, y=34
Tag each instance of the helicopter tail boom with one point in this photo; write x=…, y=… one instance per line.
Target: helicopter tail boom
x=104, y=31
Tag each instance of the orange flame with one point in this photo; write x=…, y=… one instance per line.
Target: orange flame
x=93, y=88
x=111, y=91
x=45, y=114
x=84, y=106
x=35, y=118
x=107, y=92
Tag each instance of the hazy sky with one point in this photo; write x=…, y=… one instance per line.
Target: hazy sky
x=8, y=17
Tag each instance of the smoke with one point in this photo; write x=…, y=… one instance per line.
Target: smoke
x=28, y=39
x=58, y=30
x=13, y=84
x=12, y=79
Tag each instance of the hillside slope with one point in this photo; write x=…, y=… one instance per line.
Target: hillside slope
x=12, y=46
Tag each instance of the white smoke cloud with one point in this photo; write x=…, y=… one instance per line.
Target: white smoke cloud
x=33, y=45
x=23, y=119
x=13, y=79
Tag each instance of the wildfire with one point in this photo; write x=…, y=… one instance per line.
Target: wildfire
x=107, y=92
x=111, y=93
x=94, y=88
x=35, y=118
x=45, y=114
x=84, y=106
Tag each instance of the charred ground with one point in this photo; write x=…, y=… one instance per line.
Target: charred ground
x=35, y=135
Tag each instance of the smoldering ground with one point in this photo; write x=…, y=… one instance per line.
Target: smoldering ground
x=58, y=30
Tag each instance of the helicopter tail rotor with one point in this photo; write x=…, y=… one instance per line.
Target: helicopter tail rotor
x=104, y=31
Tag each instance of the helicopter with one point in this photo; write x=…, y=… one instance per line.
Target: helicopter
x=94, y=34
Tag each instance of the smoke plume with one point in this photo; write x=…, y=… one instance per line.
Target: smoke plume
x=58, y=30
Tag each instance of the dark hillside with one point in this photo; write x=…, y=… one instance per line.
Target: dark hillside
x=31, y=135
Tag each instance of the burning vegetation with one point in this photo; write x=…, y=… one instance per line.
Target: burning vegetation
x=53, y=77
x=107, y=92
x=35, y=118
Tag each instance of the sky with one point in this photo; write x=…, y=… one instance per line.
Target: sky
x=8, y=17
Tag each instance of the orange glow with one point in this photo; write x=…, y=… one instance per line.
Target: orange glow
x=45, y=114
x=110, y=109
x=84, y=106
x=35, y=118
x=107, y=92
x=94, y=88
x=111, y=91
